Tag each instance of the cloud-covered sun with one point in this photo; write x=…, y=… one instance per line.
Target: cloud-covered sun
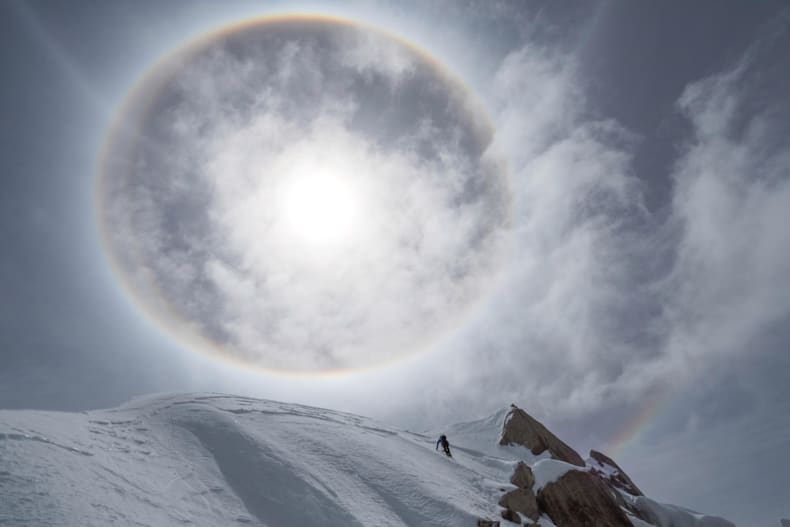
x=320, y=208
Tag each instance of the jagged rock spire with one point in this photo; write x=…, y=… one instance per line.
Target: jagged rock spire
x=607, y=469
x=522, y=429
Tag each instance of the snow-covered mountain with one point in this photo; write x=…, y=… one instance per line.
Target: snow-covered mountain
x=210, y=460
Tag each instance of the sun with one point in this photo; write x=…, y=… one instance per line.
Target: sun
x=320, y=208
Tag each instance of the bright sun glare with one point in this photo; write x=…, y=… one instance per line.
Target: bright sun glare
x=320, y=208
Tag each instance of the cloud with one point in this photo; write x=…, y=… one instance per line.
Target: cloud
x=604, y=303
x=557, y=314
x=731, y=204
x=598, y=302
x=205, y=206
x=370, y=55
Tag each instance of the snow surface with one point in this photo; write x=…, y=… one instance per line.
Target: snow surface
x=220, y=460
x=663, y=515
x=212, y=459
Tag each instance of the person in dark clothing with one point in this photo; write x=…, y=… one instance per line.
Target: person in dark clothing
x=445, y=445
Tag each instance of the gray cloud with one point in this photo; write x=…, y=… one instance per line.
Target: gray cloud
x=253, y=146
x=604, y=304
x=601, y=301
x=731, y=203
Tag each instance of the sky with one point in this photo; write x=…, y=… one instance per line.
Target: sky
x=420, y=213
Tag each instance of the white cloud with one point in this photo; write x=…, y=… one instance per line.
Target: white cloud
x=604, y=303
x=732, y=205
x=370, y=55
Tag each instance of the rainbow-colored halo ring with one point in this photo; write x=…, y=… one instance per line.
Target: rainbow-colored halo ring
x=303, y=194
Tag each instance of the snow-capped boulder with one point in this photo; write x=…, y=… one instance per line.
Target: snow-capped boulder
x=522, y=429
x=580, y=499
x=607, y=469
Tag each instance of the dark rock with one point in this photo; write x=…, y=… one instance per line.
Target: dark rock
x=487, y=523
x=522, y=429
x=511, y=516
x=522, y=501
x=580, y=499
x=608, y=470
x=522, y=476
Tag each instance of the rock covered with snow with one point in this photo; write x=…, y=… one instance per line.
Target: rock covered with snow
x=520, y=428
x=570, y=493
x=579, y=499
x=607, y=469
x=522, y=501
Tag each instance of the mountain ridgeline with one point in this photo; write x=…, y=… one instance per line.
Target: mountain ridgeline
x=212, y=459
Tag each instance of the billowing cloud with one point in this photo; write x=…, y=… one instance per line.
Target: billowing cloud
x=603, y=301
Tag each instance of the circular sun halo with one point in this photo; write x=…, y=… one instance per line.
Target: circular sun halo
x=320, y=209
x=311, y=230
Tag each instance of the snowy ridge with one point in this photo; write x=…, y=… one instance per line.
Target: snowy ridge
x=212, y=459
x=664, y=515
x=220, y=460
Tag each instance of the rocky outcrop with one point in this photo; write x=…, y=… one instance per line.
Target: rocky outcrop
x=605, y=468
x=522, y=476
x=580, y=499
x=522, y=429
x=608, y=470
x=511, y=516
x=522, y=501
x=487, y=523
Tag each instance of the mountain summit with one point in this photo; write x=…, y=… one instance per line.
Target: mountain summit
x=211, y=459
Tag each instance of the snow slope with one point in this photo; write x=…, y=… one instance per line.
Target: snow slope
x=663, y=515
x=219, y=460
x=210, y=459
